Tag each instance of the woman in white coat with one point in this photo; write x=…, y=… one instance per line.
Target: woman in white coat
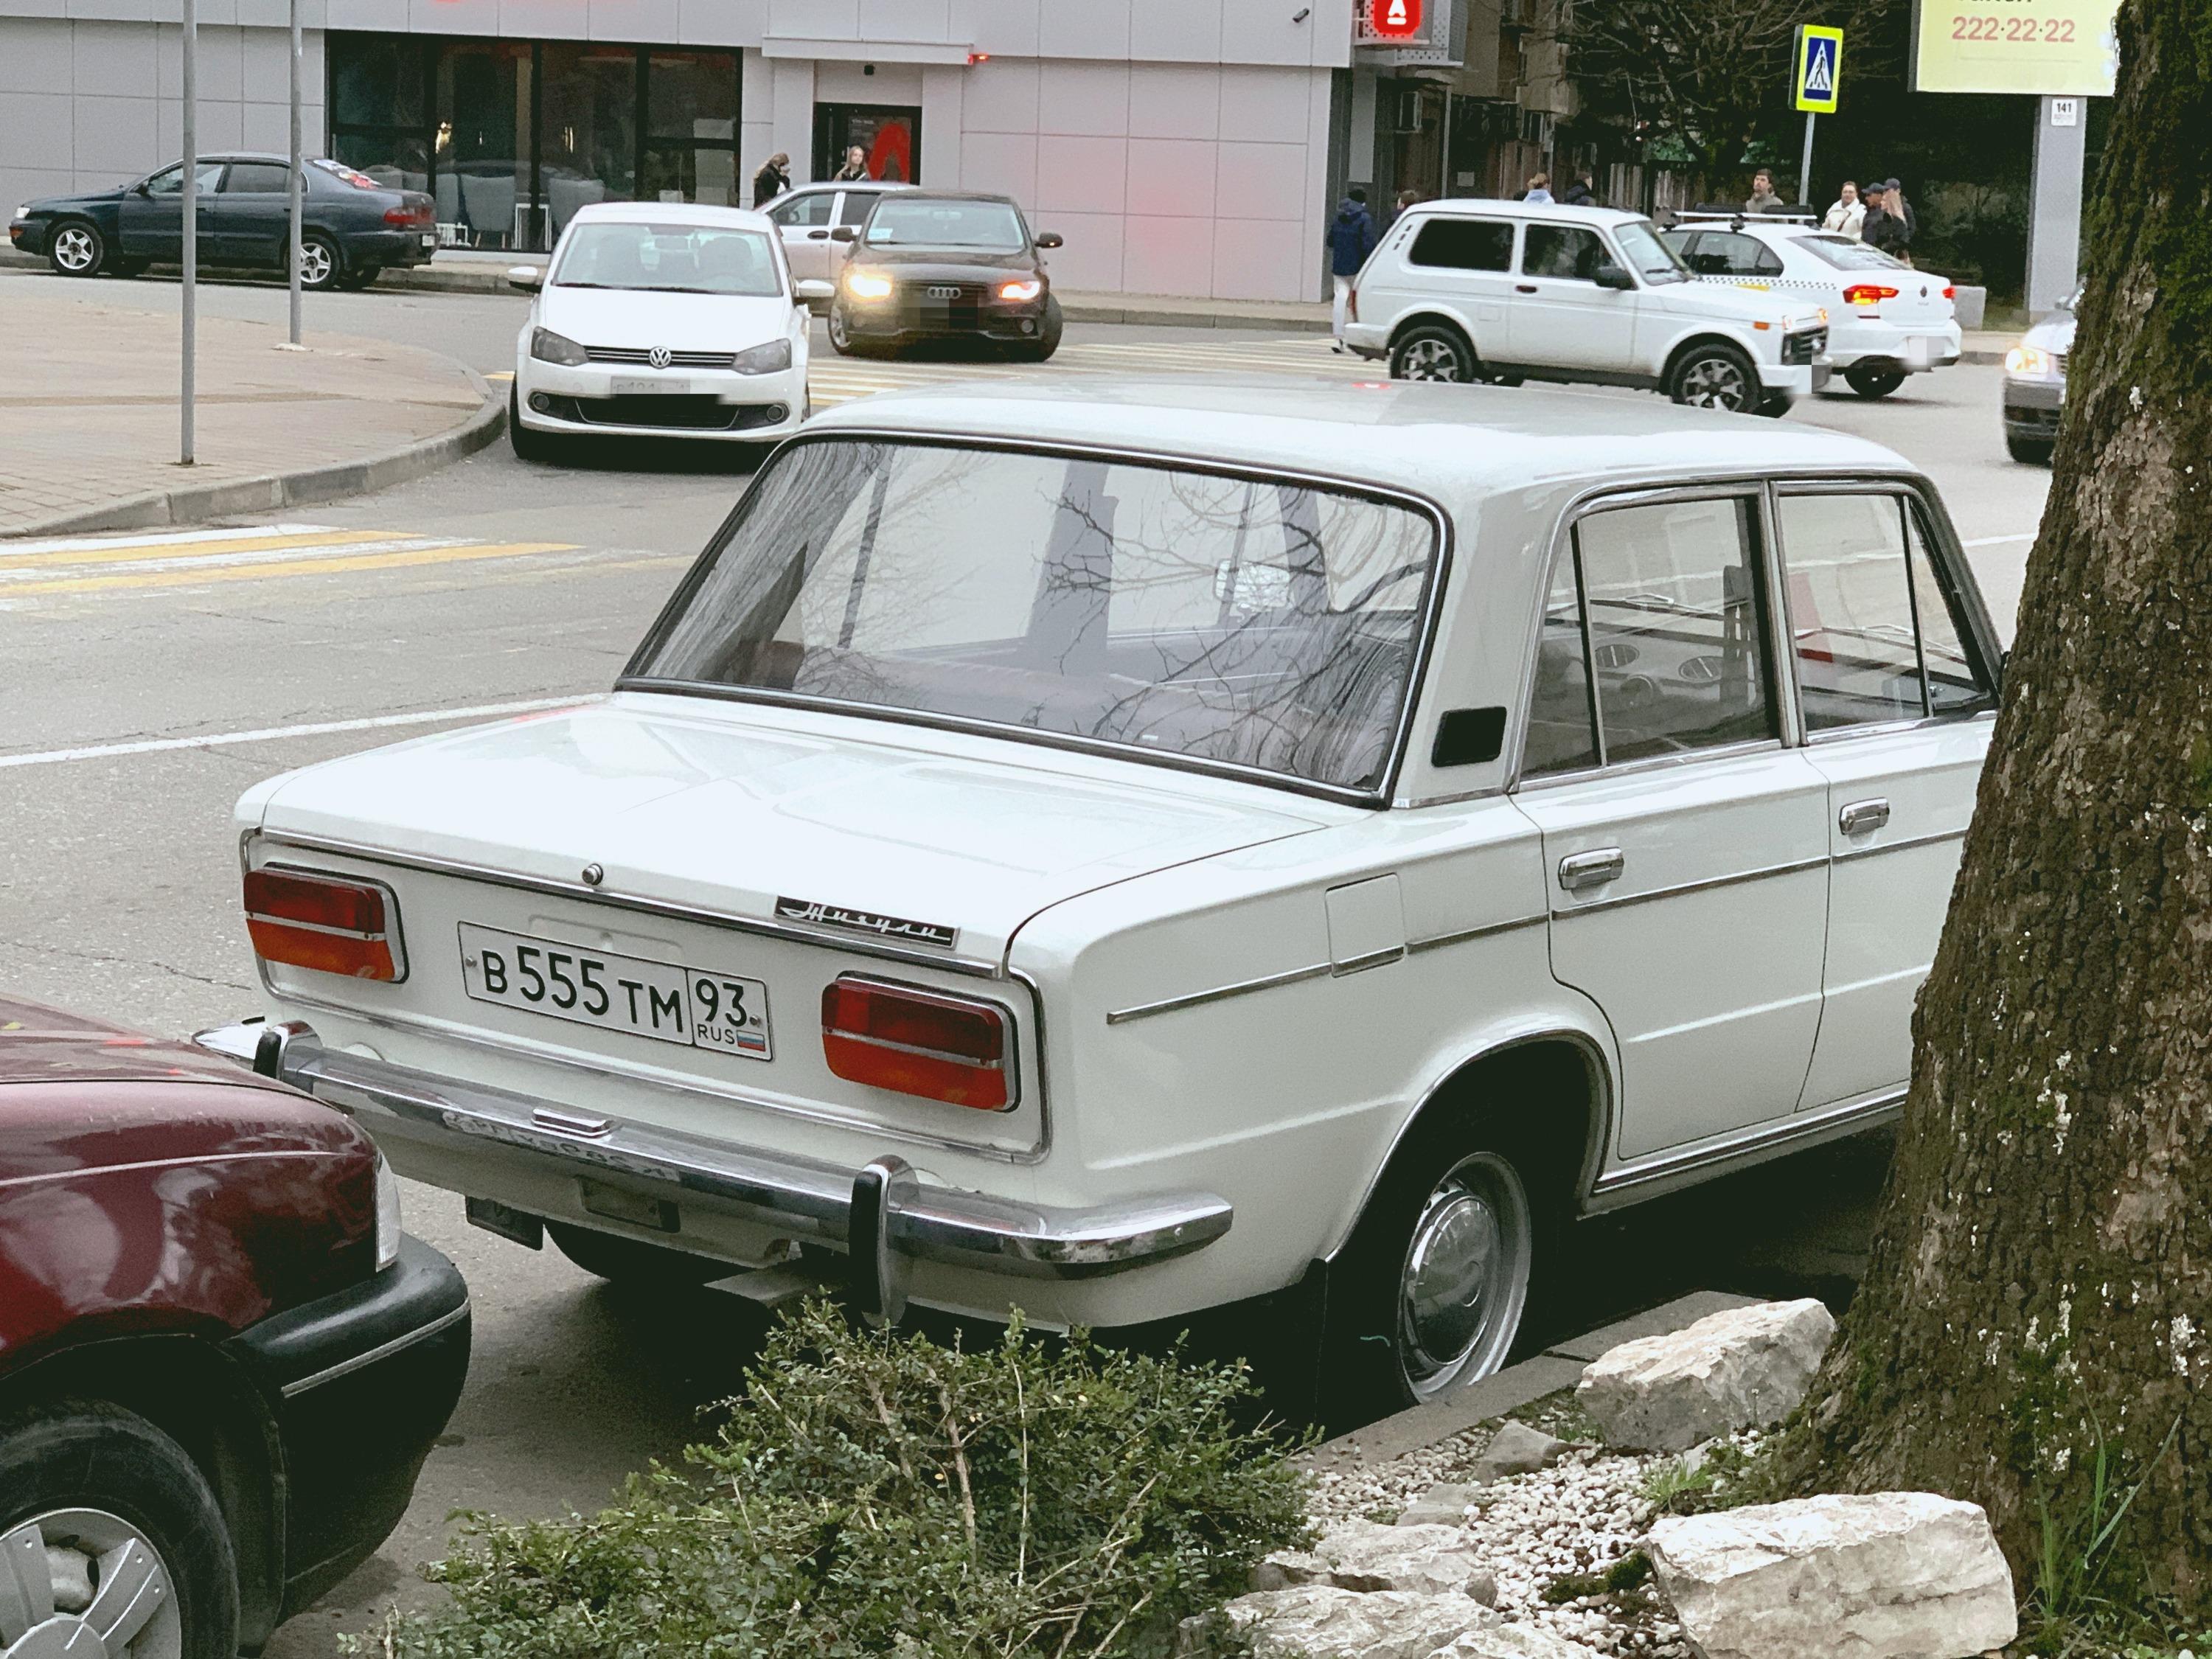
x=1848, y=214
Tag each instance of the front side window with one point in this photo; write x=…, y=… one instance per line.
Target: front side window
x=1463, y=245
x=805, y=211
x=1230, y=620
x=1670, y=607
x=1564, y=252
x=170, y=182
x=910, y=222
x=669, y=258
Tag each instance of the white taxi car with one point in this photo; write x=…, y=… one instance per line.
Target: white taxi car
x=660, y=319
x=1514, y=291
x=1886, y=320
x=1122, y=849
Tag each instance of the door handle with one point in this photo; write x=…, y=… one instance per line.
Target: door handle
x=1524, y=288
x=1579, y=871
x=1862, y=818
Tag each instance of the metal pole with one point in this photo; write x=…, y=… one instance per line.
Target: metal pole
x=297, y=188
x=192, y=112
x=1804, y=167
x=2054, y=223
x=1444, y=182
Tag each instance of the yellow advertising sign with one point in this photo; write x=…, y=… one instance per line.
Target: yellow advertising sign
x=2058, y=47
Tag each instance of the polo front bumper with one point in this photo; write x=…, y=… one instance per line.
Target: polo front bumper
x=880, y=1215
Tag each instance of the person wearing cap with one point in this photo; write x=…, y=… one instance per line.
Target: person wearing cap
x=1883, y=228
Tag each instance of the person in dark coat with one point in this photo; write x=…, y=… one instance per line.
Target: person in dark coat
x=1349, y=239
x=1883, y=227
x=773, y=180
x=1579, y=192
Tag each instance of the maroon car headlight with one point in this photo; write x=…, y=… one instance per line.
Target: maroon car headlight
x=387, y=1215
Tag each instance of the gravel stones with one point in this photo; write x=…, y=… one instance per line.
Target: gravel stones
x=1890, y=1575
x=1745, y=1368
x=1442, y=1505
x=1516, y=1449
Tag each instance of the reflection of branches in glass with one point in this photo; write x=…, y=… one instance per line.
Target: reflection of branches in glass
x=1268, y=625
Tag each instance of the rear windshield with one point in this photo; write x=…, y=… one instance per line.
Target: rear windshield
x=1234, y=621
x=669, y=259
x=994, y=227
x=1846, y=255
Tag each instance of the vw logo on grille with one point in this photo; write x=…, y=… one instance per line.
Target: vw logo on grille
x=658, y=357
x=944, y=291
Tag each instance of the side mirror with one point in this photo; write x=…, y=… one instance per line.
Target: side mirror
x=814, y=291
x=1051, y=239
x=526, y=279
x=844, y=233
x=1615, y=276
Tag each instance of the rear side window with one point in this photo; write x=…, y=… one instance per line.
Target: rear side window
x=1564, y=251
x=1464, y=245
x=1723, y=253
x=853, y=206
x=256, y=178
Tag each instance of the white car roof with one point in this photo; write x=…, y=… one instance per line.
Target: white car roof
x=1455, y=444
x=672, y=213
x=818, y=186
x=1554, y=212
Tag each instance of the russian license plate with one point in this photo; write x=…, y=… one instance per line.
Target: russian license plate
x=660, y=1001
x=638, y=387
x=429, y=238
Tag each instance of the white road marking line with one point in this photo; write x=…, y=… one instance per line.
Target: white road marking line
x=219, y=560
x=166, y=539
x=315, y=729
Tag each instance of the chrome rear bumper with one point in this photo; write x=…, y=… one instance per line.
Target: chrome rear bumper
x=879, y=1214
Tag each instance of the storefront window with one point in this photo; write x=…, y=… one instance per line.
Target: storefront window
x=588, y=149
x=691, y=128
x=483, y=140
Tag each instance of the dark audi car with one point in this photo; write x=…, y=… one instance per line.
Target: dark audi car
x=351, y=226
x=221, y=1364
x=932, y=264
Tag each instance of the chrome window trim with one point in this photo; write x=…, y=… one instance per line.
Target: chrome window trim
x=389, y=1020
x=1652, y=764
x=1791, y=1132
x=1381, y=795
x=1735, y=878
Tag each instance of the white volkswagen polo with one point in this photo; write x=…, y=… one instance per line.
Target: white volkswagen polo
x=1119, y=848
x=662, y=320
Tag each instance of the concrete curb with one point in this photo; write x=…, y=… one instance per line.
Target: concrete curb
x=193, y=503
x=1559, y=1366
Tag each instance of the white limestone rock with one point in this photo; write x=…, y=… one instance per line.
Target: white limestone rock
x=1516, y=1449
x=1891, y=1576
x=1320, y=1621
x=1366, y=1557
x=1514, y=1642
x=1747, y=1368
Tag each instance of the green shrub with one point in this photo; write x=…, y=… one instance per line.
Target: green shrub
x=870, y=1494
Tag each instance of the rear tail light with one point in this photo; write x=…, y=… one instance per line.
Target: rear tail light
x=331, y=924
x=921, y=1043
x=1950, y=292
x=1868, y=294
x=406, y=216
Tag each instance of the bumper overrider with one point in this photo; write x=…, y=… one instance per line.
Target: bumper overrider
x=880, y=1215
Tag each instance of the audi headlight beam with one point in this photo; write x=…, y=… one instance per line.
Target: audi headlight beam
x=867, y=285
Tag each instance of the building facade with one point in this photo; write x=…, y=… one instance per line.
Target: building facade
x=1186, y=147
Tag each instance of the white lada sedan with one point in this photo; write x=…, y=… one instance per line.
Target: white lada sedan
x=1118, y=850
x=660, y=319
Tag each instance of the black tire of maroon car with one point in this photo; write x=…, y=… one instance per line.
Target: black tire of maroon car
x=85, y=1454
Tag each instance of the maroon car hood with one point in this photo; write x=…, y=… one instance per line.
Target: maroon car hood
x=44, y=1045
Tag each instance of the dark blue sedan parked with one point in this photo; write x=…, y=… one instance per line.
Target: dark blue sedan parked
x=351, y=227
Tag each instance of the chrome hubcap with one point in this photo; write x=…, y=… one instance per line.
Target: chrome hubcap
x=73, y=249
x=1466, y=1276
x=1716, y=383
x=1430, y=359
x=85, y=1584
x=314, y=263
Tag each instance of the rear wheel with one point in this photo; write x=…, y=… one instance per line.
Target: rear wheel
x=632, y=1260
x=2034, y=452
x=1433, y=352
x=1716, y=376
x=320, y=267
x=1873, y=380
x=76, y=248
x=111, y=1542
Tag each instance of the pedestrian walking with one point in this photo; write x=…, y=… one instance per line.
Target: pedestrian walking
x=1883, y=227
x=1848, y=214
x=1406, y=198
x=856, y=166
x=1349, y=239
x=1901, y=209
x=773, y=180
x=1540, y=188
x=1581, y=190
x=1762, y=198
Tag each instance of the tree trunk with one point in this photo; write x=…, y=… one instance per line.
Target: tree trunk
x=2040, y=1287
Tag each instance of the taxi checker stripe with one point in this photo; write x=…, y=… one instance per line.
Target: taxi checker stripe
x=298, y=568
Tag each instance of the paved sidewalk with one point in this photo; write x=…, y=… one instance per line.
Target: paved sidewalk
x=88, y=416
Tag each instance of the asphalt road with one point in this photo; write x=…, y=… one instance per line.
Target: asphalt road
x=495, y=583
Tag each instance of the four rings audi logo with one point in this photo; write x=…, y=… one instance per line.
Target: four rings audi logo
x=944, y=291
x=658, y=357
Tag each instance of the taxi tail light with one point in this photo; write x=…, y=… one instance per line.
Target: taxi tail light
x=323, y=922
x=1868, y=294
x=1950, y=291
x=914, y=1041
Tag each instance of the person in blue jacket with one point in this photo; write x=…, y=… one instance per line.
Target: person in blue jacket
x=1351, y=239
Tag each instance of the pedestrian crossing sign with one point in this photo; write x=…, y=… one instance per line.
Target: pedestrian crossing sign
x=1819, y=69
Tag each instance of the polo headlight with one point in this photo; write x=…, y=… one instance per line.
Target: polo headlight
x=2030, y=362
x=387, y=1215
x=771, y=358
x=547, y=347
x=867, y=285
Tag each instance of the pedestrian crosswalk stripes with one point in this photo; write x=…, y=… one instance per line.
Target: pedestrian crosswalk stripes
x=841, y=379
x=97, y=564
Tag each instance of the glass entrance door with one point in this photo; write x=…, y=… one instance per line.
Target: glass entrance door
x=888, y=136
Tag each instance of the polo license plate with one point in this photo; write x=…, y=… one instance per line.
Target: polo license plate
x=660, y=1001
x=626, y=386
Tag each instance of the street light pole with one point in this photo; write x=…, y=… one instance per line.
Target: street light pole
x=191, y=135
x=1804, y=167
x=299, y=179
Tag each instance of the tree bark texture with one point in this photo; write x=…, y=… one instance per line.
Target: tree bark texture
x=2041, y=1281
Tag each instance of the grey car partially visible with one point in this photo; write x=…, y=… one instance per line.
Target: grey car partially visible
x=2035, y=384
